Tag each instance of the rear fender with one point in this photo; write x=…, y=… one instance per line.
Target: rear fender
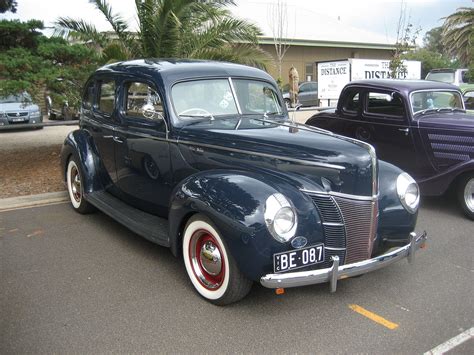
x=79, y=144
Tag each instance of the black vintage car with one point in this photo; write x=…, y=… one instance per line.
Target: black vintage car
x=200, y=157
x=420, y=126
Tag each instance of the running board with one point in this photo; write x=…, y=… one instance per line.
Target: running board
x=151, y=227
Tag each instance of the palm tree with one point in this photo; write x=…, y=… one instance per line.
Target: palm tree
x=458, y=34
x=172, y=29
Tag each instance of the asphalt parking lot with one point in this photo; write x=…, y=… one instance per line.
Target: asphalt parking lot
x=85, y=284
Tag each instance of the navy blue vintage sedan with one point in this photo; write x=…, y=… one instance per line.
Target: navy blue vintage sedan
x=200, y=157
x=421, y=126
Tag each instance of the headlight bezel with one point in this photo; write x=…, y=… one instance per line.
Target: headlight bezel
x=405, y=186
x=276, y=206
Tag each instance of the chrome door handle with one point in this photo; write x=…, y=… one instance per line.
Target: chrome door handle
x=108, y=137
x=406, y=130
x=117, y=139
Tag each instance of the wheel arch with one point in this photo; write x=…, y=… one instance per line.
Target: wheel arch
x=79, y=145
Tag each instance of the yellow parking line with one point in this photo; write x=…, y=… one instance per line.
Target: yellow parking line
x=374, y=317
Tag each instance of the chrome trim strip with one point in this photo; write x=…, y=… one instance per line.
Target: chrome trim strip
x=341, y=194
x=333, y=224
x=335, y=249
x=265, y=155
x=336, y=272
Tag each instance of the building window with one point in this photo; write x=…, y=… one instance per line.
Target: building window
x=309, y=72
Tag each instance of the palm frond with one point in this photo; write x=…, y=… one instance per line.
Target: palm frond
x=67, y=27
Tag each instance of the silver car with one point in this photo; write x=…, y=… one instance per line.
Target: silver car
x=307, y=95
x=19, y=109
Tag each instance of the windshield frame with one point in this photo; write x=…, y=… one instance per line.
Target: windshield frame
x=230, y=79
x=432, y=90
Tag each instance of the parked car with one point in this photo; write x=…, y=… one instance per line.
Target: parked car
x=420, y=126
x=19, y=109
x=307, y=94
x=200, y=157
x=456, y=77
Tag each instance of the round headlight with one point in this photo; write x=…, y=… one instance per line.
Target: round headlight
x=280, y=218
x=408, y=192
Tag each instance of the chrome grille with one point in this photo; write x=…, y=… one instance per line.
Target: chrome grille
x=348, y=224
x=360, y=229
x=17, y=114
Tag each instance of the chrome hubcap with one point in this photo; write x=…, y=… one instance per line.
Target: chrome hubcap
x=211, y=258
x=469, y=195
x=75, y=184
x=206, y=259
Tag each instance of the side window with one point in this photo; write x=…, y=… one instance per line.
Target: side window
x=384, y=104
x=88, y=98
x=107, y=96
x=303, y=88
x=352, y=103
x=142, y=101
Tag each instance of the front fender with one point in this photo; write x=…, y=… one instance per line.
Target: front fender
x=79, y=144
x=395, y=222
x=235, y=202
x=438, y=184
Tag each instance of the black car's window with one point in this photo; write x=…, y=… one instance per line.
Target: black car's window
x=106, y=96
x=384, y=104
x=352, y=103
x=88, y=99
x=142, y=101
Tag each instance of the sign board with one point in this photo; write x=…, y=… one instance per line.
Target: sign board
x=332, y=76
x=380, y=69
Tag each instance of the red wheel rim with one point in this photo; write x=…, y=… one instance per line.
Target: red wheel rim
x=207, y=259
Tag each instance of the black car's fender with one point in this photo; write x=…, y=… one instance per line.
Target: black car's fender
x=395, y=222
x=79, y=144
x=235, y=202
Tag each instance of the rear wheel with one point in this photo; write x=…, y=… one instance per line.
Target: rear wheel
x=466, y=194
x=211, y=268
x=76, y=188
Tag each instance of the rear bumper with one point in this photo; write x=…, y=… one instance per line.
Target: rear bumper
x=336, y=272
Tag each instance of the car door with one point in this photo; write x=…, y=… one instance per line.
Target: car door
x=142, y=150
x=390, y=129
x=100, y=120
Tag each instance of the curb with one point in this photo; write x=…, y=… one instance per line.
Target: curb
x=18, y=202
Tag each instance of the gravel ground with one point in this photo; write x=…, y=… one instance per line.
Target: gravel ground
x=29, y=161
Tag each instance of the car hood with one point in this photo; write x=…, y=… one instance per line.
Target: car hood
x=18, y=106
x=447, y=120
x=296, y=151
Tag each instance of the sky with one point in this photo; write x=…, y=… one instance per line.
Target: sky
x=376, y=16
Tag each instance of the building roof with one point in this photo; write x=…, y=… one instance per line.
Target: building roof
x=306, y=28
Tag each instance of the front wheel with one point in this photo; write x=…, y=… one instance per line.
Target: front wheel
x=75, y=188
x=466, y=194
x=211, y=268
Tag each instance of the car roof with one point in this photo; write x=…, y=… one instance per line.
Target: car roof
x=404, y=85
x=172, y=70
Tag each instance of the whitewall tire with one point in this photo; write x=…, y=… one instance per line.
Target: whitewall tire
x=209, y=264
x=75, y=188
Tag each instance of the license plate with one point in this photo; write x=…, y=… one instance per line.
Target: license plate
x=298, y=258
x=18, y=119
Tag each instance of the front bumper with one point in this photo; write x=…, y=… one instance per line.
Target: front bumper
x=336, y=272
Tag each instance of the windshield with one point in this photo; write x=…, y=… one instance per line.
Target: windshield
x=445, y=77
x=435, y=100
x=215, y=97
x=24, y=97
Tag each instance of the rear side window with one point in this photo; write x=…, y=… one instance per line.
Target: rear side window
x=88, y=99
x=352, y=103
x=142, y=101
x=384, y=104
x=107, y=96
